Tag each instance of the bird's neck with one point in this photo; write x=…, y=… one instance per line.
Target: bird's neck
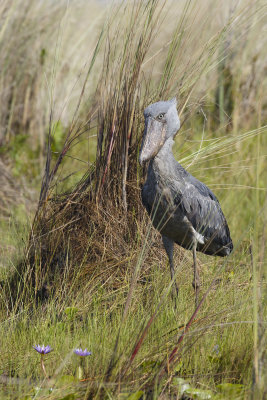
x=166, y=148
x=165, y=154
x=164, y=161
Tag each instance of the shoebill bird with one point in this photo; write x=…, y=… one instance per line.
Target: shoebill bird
x=183, y=209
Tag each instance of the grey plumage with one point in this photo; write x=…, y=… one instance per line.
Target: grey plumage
x=182, y=208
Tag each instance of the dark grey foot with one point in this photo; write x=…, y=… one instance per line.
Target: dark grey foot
x=176, y=289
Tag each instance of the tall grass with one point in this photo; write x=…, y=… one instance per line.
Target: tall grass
x=93, y=248
x=40, y=45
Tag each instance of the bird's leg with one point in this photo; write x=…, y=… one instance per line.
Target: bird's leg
x=196, y=282
x=168, y=245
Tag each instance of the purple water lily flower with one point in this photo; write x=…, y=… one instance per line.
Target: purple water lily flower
x=82, y=353
x=42, y=349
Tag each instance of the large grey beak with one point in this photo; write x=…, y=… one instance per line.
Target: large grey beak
x=153, y=139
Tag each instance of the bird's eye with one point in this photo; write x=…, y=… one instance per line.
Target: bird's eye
x=160, y=116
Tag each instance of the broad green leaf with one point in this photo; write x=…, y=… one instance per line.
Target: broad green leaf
x=136, y=395
x=131, y=396
x=197, y=394
x=181, y=383
x=230, y=388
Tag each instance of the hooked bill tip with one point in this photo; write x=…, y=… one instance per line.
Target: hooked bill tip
x=141, y=161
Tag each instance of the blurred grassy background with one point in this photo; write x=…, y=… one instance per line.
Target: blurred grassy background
x=211, y=56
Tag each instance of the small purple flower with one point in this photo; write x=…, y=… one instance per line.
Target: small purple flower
x=82, y=353
x=42, y=349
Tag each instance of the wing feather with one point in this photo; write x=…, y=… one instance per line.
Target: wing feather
x=203, y=210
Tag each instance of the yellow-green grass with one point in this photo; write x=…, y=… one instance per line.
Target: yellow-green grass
x=219, y=345
x=225, y=148
x=224, y=329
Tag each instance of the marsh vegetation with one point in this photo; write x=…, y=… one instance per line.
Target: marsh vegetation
x=81, y=265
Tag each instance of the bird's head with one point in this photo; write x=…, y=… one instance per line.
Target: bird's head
x=161, y=123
